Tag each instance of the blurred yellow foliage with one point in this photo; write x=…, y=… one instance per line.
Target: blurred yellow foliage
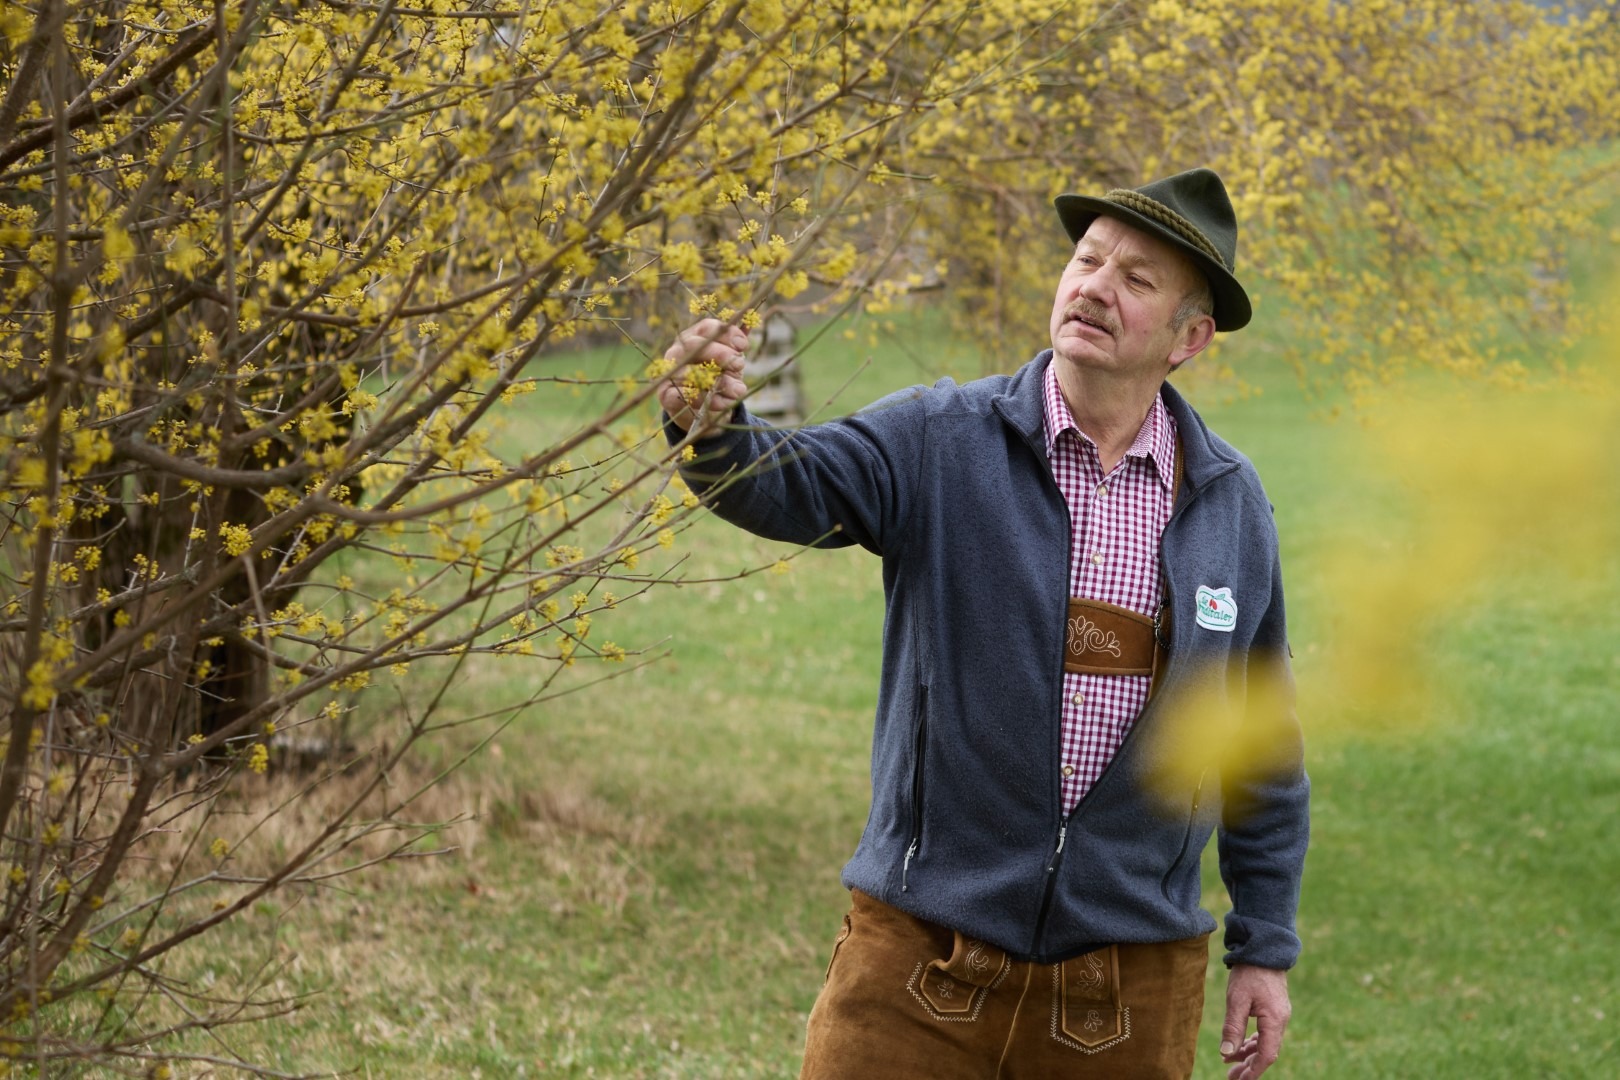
x=1482, y=496
x=1463, y=503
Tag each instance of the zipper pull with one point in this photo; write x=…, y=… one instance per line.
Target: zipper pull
x=905, y=867
x=1063, y=831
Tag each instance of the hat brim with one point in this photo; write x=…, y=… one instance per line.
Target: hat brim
x=1232, y=309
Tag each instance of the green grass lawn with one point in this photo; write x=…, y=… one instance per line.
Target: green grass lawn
x=651, y=888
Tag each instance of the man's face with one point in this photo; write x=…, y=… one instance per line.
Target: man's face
x=1115, y=299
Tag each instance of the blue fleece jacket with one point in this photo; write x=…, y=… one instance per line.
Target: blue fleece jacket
x=950, y=485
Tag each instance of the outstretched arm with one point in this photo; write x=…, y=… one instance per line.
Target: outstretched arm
x=848, y=481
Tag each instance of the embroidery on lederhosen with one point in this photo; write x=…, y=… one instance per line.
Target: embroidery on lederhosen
x=956, y=989
x=1106, y=639
x=1086, y=1010
x=1086, y=637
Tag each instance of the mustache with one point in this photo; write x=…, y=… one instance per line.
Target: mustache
x=1092, y=312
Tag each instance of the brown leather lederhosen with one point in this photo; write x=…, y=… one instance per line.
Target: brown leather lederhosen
x=906, y=998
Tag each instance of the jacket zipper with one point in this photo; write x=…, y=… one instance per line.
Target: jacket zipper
x=1063, y=821
x=1051, y=882
x=919, y=744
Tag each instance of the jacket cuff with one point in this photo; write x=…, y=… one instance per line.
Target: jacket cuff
x=1261, y=943
x=725, y=452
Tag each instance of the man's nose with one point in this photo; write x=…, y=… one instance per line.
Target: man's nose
x=1095, y=286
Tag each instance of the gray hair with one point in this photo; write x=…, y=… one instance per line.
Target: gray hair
x=1197, y=300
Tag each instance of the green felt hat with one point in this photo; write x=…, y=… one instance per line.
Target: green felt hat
x=1191, y=211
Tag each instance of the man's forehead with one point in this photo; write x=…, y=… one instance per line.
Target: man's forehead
x=1131, y=246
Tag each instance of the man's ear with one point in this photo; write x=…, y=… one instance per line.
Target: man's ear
x=1193, y=339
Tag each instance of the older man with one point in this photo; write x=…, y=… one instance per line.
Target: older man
x=1079, y=575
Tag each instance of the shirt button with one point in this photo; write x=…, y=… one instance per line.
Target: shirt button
x=1068, y=771
x=1102, y=489
x=1079, y=699
x=1096, y=558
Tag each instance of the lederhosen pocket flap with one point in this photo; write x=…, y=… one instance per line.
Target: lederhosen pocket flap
x=1089, y=1008
x=956, y=987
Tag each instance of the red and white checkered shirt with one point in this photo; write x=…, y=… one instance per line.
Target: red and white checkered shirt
x=1117, y=520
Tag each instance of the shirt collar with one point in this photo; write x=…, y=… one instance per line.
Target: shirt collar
x=1155, y=439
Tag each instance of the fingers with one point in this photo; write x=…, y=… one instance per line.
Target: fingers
x=707, y=378
x=1238, y=1004
x=1270, y=1040
x=1262, y=994
x=1240, y=1051
x=698, y=389
x=1243, y=1059
x=708, y=339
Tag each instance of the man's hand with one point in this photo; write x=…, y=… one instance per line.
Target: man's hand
x=1263, y=994
x=708, y=357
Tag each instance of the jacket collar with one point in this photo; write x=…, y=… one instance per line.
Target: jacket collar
x=1022, y=407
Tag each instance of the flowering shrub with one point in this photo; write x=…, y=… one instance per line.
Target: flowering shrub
x=273, y=274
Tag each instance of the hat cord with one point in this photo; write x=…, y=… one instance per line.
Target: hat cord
x=1150, y=207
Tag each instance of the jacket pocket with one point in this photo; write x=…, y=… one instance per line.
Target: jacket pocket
x=1186, y=839
x=919, y=748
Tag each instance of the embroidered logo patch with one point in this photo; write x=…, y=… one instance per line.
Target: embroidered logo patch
x=1216, y=609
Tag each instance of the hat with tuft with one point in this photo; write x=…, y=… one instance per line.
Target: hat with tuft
x=1190, y=210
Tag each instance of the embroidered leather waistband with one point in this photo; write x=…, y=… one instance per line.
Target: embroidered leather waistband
x=1105, y=639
